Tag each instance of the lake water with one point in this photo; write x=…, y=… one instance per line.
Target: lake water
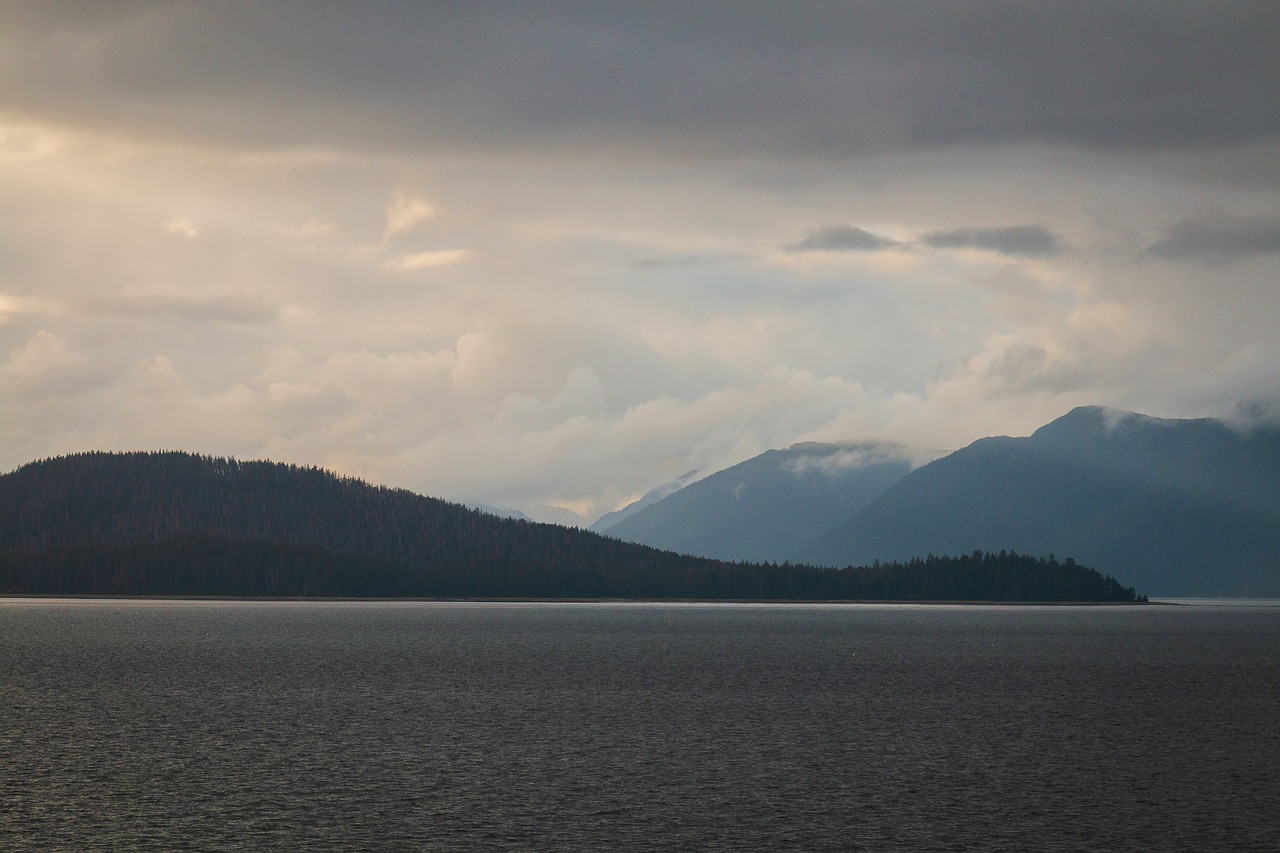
x=457, y=726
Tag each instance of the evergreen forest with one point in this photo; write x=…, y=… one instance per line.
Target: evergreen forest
x=171, y=523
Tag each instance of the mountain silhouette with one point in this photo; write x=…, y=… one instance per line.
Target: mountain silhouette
x=770, y=506
x=1176, y=507
x=180, y=524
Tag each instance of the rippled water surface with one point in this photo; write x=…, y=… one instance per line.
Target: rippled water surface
x=428, y=726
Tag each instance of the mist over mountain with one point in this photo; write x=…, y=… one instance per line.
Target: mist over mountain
x=609, y=519
x=772, y=505
x=1177, y=507
x=551, y=514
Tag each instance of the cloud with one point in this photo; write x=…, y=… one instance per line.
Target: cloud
x=428, y=260
x=1256, y=413
x=406, y=212
x=46, y=367
x=825, y=78
x=238, y=308
x=313, y=227
x=681, y=261
x=839, y=460
x=841, y=238
x=1015, y=240
x=182, y=226
x=1031, y=241
x=565, y=146
x=42, y=353
x=12, y=305
x=1221, y=239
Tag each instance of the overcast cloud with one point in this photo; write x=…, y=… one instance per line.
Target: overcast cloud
x=1026, y=240
x=841, y=238
x=560, y=255
x=1221, y=238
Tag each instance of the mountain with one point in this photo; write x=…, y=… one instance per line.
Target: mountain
x=547, y=514
x=498, y=511
x=609, y=519
x=1176, y=507
x=179, y=524
x=772, y=505
x=552, y=514
x=139, y=507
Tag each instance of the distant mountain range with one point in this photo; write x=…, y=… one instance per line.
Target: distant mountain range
x=1171, y=507
x=500, y=512
x=546, y=513
x=610, y=519
x=1178, y=507
x=180, y=524
x=769, y=507
x=1175, y=507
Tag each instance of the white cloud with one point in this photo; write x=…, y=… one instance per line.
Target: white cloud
x=43, y=354
x=182, y=226
x=13, y=305
x=157, y=378
x=405, y=212
x=428, y=260
x=837, y=461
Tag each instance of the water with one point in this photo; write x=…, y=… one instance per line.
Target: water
x=426, y=726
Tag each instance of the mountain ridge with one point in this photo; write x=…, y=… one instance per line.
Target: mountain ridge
x=769, y=506
x=180, y=524
x=1188, y=507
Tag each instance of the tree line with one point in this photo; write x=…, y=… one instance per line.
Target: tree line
x=179, y=524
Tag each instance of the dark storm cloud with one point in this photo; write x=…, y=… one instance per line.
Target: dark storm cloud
x=1015, y=240
x=841, y=238
x=826, y=78
x=1221, y=239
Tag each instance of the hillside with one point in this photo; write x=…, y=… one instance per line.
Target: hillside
x=770, y=506
x=1176, y=507
x=107, y=499
x=178, y=524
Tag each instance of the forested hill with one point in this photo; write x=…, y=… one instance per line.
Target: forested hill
x=180, y=524
x=114, y=499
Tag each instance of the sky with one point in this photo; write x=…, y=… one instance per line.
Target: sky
x=550, y=256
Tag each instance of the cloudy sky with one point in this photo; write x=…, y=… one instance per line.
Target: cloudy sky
x=559, y=253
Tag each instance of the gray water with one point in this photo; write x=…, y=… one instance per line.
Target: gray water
x=430, y=726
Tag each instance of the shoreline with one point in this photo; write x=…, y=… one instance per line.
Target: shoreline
x=553, y=600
